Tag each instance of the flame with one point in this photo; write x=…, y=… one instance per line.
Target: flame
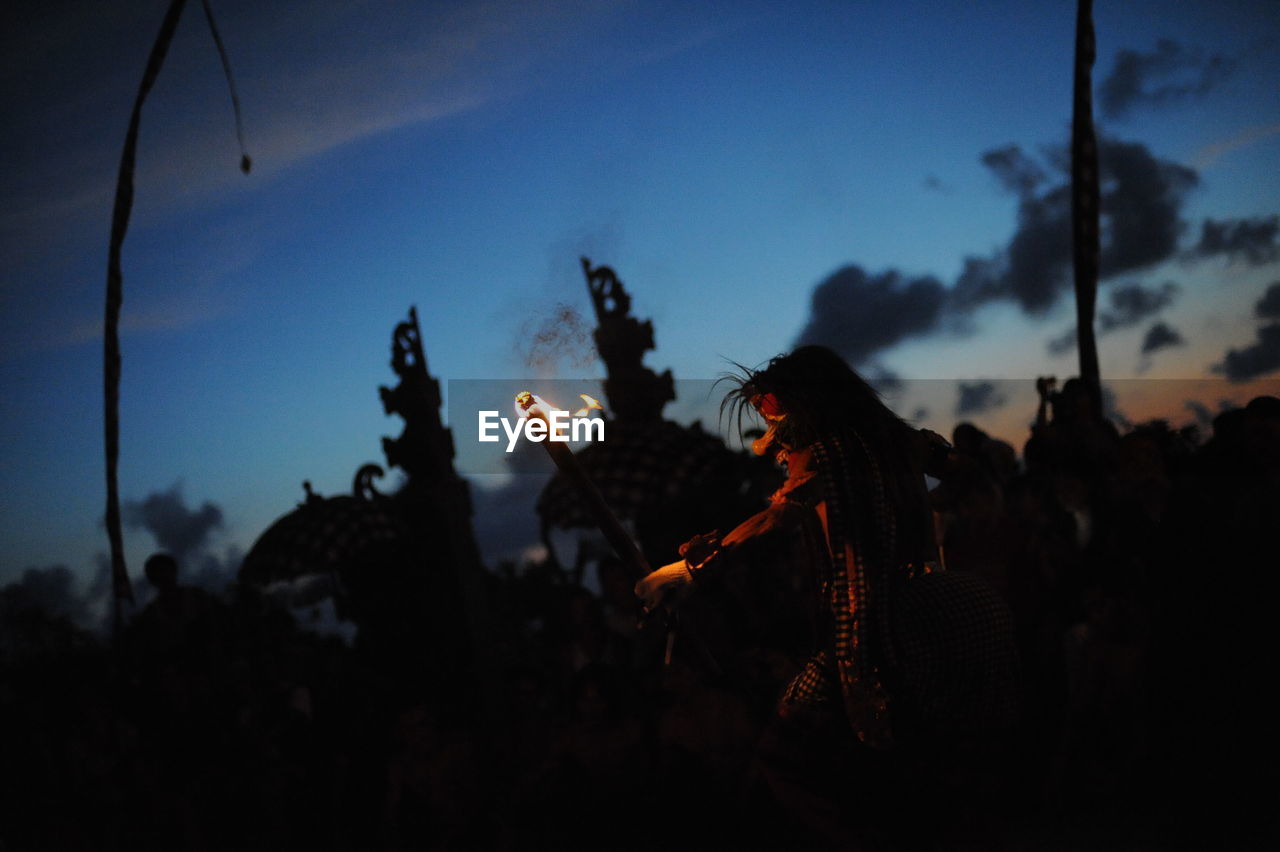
x=529, y=404
x=592, y=405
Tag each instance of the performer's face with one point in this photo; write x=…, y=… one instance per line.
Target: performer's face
x=770, y=442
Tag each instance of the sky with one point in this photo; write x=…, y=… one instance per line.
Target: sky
x=884, y=178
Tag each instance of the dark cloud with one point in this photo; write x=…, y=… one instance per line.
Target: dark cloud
x=1268, y=307
x=1129, y=305
x=53, y=590
x=1257, y=359
x=1141, y=203
x=57, y=593
x=885, y=381
x=186, y=534
x=1019, y=173
x=1204, y=416
x=1111, y=408
x=1161, y=336
x=1251, y=240
x=1063, y=343
x=178, y=530
x=978, y=397
x=935, y=183
x=1169, y=74
x=1263, y=355
x=857, y=314
x=1133, y=303
x=505, y=516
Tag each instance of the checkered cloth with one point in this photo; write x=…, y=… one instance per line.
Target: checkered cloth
x=957, y=657
x=321, y=535
x=942, y=644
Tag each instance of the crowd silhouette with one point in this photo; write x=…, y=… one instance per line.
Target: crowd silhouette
x=1139, y=568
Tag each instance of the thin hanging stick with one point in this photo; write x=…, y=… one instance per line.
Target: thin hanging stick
x=245, y=162
x=122, y=588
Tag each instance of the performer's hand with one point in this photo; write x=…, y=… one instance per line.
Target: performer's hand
x=660, y=584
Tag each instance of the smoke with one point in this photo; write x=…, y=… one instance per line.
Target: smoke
x=1250, y=240
x=563, y=336
x=1169, y=74
x=978, y=397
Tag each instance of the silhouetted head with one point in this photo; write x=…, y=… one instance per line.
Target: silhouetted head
x=812, y=393
x=968, y=438
x=1073, y=403
x=162, y=572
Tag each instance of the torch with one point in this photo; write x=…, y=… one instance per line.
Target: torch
x=531, y=405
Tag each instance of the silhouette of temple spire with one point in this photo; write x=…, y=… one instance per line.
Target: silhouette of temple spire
x=424, y=449
x=636, y=393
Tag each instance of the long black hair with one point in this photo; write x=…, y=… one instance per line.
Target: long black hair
x=825, y=400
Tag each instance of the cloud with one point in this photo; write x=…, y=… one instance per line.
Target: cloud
x=1129, y=305
x=1214, y=151
x=1111, y=408
x=308, y=81
x=1203, y=415
x=978, y=397
x=1268, y=307
x=1014, y=169
x=1251, y=240
x=1141, y=202
x=186, y=534
x=857, y=314
x=1262, y=356
x=1141, y=205
x=885, y=381
x=1257, y=359
x=1063, y=343
x=505, y=517
x=936, y=184
x=1161, y=336
x=1169, y=74
x=177, y=529
x=1133, y=303
x=52, y=589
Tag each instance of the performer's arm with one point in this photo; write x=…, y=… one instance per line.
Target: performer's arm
x=705, y=556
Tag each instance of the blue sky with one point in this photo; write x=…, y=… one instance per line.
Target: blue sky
x=726, y=158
